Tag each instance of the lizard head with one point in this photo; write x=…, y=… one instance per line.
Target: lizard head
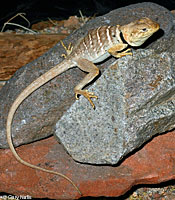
x=137, y=32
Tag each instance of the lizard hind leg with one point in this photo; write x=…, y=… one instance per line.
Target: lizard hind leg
x=86, y=66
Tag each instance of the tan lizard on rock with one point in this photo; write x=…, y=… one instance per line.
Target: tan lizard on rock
x=95, y=47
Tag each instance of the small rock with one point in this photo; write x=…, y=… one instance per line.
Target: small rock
x=72, y=22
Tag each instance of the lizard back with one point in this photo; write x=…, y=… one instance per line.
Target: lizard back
x=95, y=44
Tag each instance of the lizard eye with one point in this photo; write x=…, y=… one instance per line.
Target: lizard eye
x=144, y=30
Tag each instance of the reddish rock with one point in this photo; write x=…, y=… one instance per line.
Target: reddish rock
x=18, y=50
x=154, y=163
x=73, y=22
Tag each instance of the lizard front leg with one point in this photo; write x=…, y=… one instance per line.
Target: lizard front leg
x=86, y=66
x=119, y=47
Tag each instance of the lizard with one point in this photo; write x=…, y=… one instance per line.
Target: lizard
x=95, y=47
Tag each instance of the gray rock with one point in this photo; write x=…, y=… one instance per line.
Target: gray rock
x=136, y=101
x=38, y=114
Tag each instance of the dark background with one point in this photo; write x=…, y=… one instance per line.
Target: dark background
x=38, y=10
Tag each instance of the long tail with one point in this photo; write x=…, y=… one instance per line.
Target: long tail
x=52, y=73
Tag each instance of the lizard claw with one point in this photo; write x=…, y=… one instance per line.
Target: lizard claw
x=128, y=52
x=87, y=95
x=68, y=49
x=64, y=55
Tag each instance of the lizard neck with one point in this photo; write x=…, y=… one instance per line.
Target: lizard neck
x=122, y=37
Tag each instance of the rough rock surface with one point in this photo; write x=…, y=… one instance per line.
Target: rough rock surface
x=136, y=101
x=37, y=115
x=153, y=163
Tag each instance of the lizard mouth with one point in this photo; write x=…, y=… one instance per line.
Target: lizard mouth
x=138, y=42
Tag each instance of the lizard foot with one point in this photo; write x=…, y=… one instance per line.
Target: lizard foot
x=124, y=53
x=87, y=95
x=68, y=49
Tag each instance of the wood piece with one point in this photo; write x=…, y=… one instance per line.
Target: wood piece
x=18, y=50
